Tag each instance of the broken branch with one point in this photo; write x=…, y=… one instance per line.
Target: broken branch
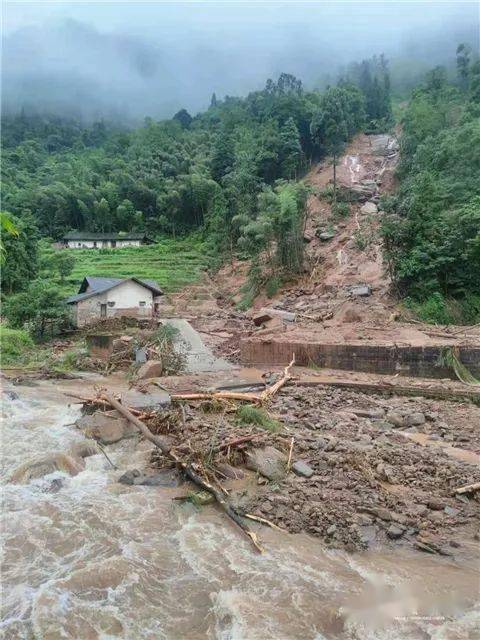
x=271, y=391
x=165, y=447
x=469, y=488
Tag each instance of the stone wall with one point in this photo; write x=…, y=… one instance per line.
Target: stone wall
x=410, y=361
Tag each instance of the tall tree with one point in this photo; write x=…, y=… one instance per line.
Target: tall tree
x=463, y=64
x=330, y=126
x=184, y=118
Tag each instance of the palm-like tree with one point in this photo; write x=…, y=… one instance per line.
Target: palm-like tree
x=6, y=226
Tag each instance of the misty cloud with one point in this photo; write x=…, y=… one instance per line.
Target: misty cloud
x=130, y=60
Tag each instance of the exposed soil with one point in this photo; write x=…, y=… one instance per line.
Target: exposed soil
x=371, y=483
x=324, y=300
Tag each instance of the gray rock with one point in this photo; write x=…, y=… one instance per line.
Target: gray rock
x=395, y=531
x=369, y=208
x=361, y=291
x=266, y=314
x=331, y=529
x=146, y=401
x=230, y=472
x=165, y=478
x=451, y=511
x=84, y=449
x=301, y=468
x=268, y=462
x=415, y=419
x=55, y=485
x=44, y=465
x=130, y=476
x=151, y=369
x=140, y=355
x=379, y=512
x=435, y=504
x=369, y=413
x=395, y=418
x=106, y=427
x=325, y=236
x=367, y=533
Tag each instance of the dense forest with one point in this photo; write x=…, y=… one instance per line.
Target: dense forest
x=432, y=230
x=233, y=174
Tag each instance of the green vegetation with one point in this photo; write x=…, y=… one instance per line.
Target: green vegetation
x=15, y=345
x=432, y=230
x=228, y=175
x=171, y=263
x=249, y=414
x=40, y=307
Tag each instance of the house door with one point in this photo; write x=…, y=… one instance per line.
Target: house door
x=103, y=310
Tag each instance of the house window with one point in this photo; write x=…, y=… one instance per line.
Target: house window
x=94, y=244
x=142, y=303
x=111, y=304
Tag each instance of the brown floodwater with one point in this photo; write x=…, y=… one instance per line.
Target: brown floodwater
x=100, y=560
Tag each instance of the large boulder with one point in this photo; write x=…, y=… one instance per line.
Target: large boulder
x=84, y=449
x=264, y=315
x=44, y=465
x=163, y=478
x=151, y=369
x=369, y=208
x=301, y=468
x=107, y=428
x=361, y=291
x=268, y=462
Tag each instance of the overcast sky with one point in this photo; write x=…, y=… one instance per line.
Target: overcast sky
x=151, y=58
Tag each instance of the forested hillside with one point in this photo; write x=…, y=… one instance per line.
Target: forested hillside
x=229, y=174
x=432, y=232
x=233, y=174
x=169, y=176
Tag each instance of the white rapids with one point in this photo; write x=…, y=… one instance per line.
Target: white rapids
x=99, y=560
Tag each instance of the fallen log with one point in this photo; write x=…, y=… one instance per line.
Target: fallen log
x=165, y=447
x=100, y=402
x=469, y=488
x=233, y=443
x=271, y=391
x=232, y=395
x=219, y=395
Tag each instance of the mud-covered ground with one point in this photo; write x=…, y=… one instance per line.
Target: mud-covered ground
x=371, y=484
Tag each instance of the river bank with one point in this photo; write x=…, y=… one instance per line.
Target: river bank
x=97, y=559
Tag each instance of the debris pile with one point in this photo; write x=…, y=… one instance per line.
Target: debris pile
x=159, y=346
x=356, y=469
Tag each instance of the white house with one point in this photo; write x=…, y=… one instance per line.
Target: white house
x=100, y=298
x=87, y=240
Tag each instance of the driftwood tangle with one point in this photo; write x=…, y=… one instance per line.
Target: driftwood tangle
x=165, y=447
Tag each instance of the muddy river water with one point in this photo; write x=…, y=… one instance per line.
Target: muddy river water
x=96, y=559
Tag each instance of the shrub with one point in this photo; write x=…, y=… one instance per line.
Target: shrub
x=436, y=309
x=272, y=286
x=248, y=414
x=15, y=343
x=340, y=210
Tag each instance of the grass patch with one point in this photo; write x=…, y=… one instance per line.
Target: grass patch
x=249, y=414
x=436, y=309
x=340, y=210
x=172, y=263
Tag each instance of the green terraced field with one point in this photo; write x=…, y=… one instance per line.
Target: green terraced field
x=172, y=263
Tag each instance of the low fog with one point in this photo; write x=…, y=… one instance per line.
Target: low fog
x=131, y=60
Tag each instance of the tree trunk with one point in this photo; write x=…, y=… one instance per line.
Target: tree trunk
x=334, y=177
